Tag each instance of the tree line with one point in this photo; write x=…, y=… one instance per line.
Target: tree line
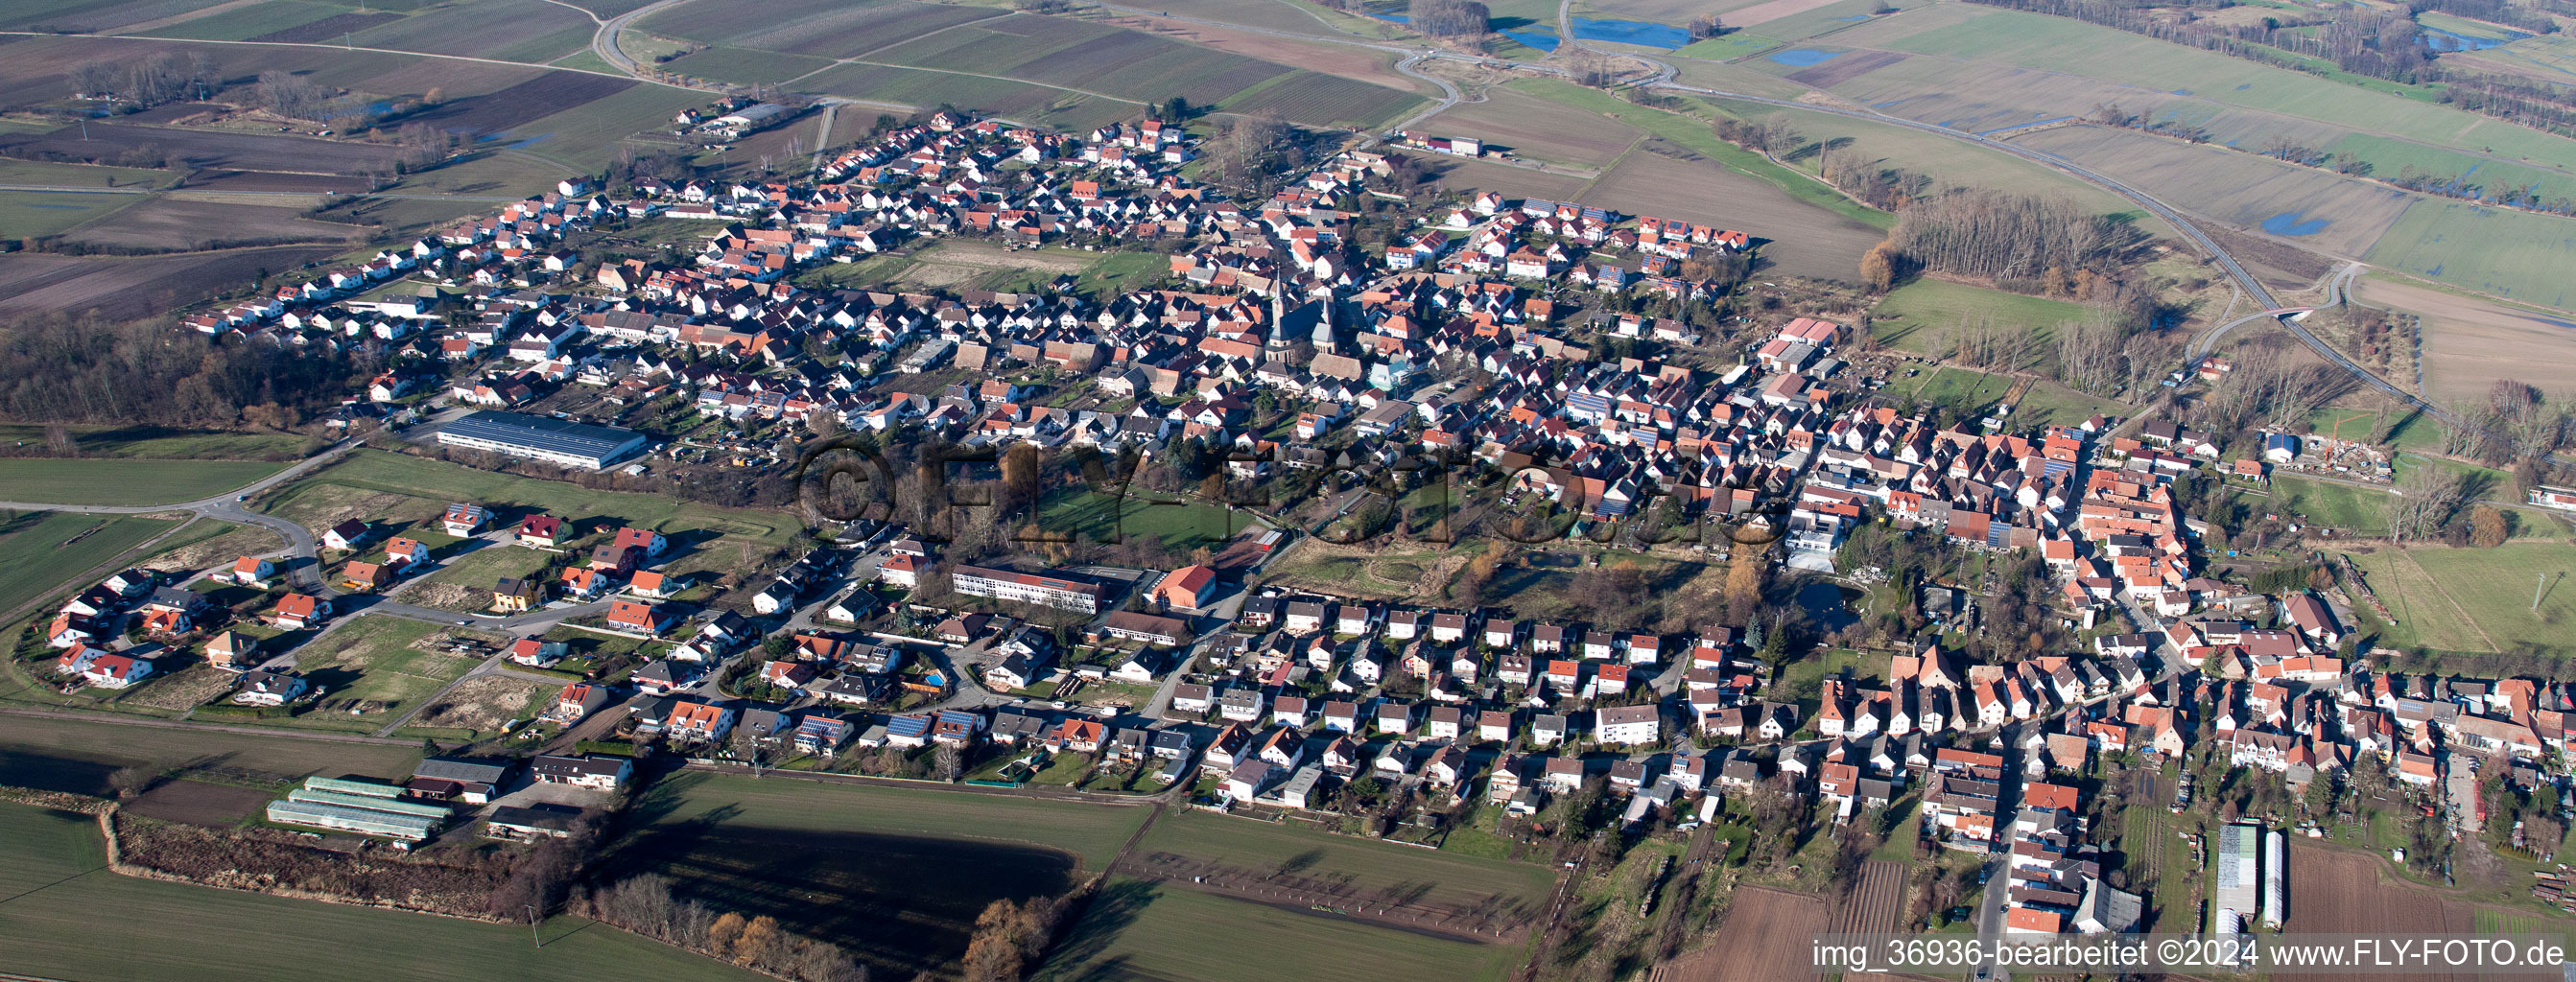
x=1448, y=18
x=86, y=369
x=646, y=905
x=1999, y=235
x=148, y=81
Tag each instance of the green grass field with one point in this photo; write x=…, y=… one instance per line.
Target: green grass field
x=438, y=481
x=2481, y=599
x=590, y=135
x=164, y=748
x=2345, y=508
x=1923, y=315
x=1093, y=832
x=41, y=213
x=2062, y=45
x=2388, y=157
x=162, y=443
x=15, y=171
x=124, y=482
x=1731, y=45
x=2425, y=614
x=1143, y=931
x=1973, y=394
x=57, y=893
x=1447, y=879
x=1104, y=517
x=1694, y=134
x=34, y=560
x=478, y=569
x=2514, y=254
x=372, y=660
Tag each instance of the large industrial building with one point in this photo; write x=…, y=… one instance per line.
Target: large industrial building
x=554, y=441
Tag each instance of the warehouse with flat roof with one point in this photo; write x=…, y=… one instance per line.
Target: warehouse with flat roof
x=554, y=441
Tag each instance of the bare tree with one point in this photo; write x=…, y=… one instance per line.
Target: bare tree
x=2426, y=499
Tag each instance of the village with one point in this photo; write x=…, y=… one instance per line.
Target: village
x=1514, y=342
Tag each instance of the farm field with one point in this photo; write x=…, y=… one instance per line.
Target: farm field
x=588, y=135
x=1326, y=100
x=1295, y=16
x=77, y=755
x=1669, y=181
x=1693, y=134
x=1747, y=948
x=131, y=288
x=1512, y=182
x=2333, y=891
x=1536, y=128
x=439, y=482
x=124, y=482
x=2005, y=37
x=224, y=936
x=34, y=559
x=1923, y=315
x=42, y=213
x=854, y=883
x=2513, y=254
x=199, y=803
x=168, y=224
x=2389, y=157
x=507, y=30
x=1357, y=64
x=1803, y=20
x=208, y=149
x=224, y=22
x=1093, y=833
x=1092, y=57
x=376, y=665
x=745, y=65
x=1136, y=930
x=15, y=171
x=1733, y=44
x=2470, y=343
x=508, y=111
x=1021, y=101
x=1950, y=162
x=2317, y=209
x=88, y=15
x=1363, y=871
